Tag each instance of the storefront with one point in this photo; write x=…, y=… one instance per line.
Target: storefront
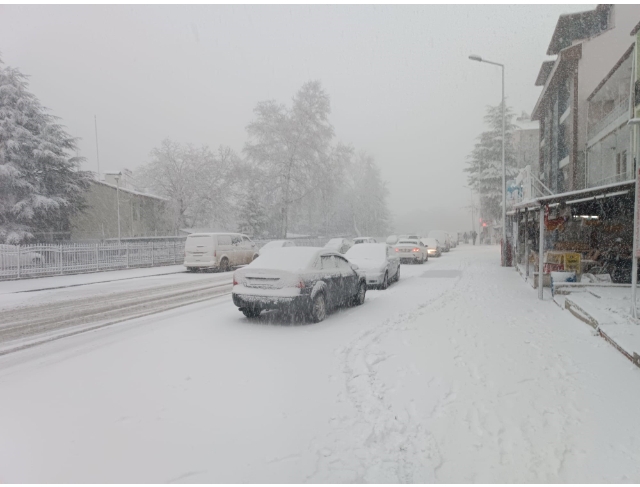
x=589, y=232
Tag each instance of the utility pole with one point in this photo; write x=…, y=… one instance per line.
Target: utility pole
x=95, y=120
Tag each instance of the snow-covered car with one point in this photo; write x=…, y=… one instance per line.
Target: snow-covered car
x=411, y=250
x=9, y=256
x=442, y=237
x=275, y=244
x=339, y=244
x=307, y=280
x=361, y=240
x=453, y=239
x=378, y=261
x=392, y=239
x=434, y=249
x=218, y=251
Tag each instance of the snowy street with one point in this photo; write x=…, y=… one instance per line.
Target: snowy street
x=455, y=374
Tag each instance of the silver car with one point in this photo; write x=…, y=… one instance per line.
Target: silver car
x=379, y=262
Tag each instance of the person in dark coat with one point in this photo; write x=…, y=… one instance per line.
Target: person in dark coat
x=474, y=235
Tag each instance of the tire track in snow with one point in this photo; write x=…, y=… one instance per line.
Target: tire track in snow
x=380, y=443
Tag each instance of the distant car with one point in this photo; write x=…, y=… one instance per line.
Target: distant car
x=443, y=238
x=434, y=249
x=9, y=256
x=307, y=280
x=378, y=261
x=410, y=250
x=218, y=251
x=453, y=239
x=339, y=244
x=361, y=240
x=275, y=244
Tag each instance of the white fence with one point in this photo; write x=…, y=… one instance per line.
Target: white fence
x=19, y=261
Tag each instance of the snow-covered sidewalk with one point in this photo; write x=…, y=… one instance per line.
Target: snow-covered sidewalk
x=52, y=282
x=608, y=310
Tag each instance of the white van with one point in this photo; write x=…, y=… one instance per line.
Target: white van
x=220, y=251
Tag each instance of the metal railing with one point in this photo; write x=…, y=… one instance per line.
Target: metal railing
x=20, y=261
x=608, y=119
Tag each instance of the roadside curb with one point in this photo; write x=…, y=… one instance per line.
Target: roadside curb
x=582, y=315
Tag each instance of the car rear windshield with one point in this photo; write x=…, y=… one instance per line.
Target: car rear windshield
x=195, y=241
x=368, y=252
x=407, y=242
x=289, y=259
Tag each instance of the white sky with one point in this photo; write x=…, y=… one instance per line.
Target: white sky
x=399, y=78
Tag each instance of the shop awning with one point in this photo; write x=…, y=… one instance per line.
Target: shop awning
x=578, y=196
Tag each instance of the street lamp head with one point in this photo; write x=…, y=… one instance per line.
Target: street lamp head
x=475, y=57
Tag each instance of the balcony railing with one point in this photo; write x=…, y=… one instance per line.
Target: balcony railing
x=618, y=111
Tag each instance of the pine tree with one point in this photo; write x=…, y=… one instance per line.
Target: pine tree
x=485, y=161
x=41, y=185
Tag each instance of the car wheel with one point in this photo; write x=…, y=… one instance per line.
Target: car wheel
x=224, y=265
x=318, y=309
x=251, y=312
x=359, y=298
x=397, y=277
x=190, y=269
x=385, y=281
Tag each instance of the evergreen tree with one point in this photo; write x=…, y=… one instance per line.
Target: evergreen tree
x=41, y=185
x=485, y=161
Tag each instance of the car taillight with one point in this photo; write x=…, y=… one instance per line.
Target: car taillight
x=300, y=284
x=214, y=253
x=396, y=250
x=416, y=250
x=235, y=283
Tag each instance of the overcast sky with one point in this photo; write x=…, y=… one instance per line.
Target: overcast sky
x=401, y=85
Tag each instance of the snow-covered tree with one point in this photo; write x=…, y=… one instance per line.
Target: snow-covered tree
x=291, y=145
x=201, y=185
x=41, y=185
x=370, y=213
x=485, y=161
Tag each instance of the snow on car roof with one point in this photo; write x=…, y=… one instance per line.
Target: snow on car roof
x=286, y=259
x=367, y=251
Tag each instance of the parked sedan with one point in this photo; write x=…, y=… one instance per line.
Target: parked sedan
x=339, y=244
x=275, y=244
x=411, y=251
x=306, y=280
x=379, y=263
x=434, y=249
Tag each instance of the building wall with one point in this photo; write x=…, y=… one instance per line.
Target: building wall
x=140, y=215
x=599, y=55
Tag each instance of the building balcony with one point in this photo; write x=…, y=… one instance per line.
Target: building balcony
x=610, y=121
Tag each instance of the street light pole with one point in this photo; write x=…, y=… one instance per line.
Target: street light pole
x=503, y=253
x=117, y=177
x=473, y=208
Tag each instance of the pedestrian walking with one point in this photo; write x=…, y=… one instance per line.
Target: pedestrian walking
x=466, y=237
x=474, y=235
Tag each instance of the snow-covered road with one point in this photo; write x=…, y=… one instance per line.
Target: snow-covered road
x=455, y=374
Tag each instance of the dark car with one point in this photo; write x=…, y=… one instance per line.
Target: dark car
x=305, y=280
